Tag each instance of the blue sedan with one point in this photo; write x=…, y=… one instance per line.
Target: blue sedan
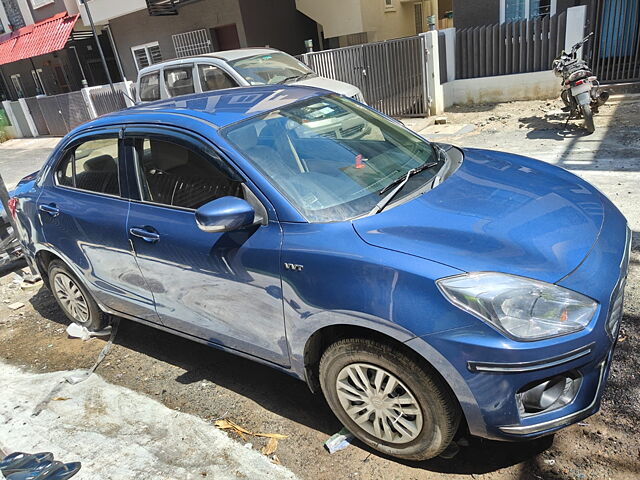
x=424, y=289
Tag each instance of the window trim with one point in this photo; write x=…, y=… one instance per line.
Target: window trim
x=527, y=9
x=72, y=145
x=16, y=77
x=145, y=47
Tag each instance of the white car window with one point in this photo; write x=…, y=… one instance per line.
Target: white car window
x=150, y=87
x=179, y=80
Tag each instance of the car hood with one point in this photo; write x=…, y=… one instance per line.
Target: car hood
x=497, y=212
x=342, y=88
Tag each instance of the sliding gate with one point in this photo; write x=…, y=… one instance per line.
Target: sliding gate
x=615, y=52
x=391, y=74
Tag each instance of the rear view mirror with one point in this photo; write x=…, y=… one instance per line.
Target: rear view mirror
x=225, y=214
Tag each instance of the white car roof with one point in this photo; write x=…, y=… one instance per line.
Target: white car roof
x=225, y=55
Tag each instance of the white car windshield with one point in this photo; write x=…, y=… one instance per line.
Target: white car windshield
x=270, y=68
x=332, y=158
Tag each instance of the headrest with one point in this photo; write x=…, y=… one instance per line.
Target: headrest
x=101, y=163
x=245, y=137
x=167, y=156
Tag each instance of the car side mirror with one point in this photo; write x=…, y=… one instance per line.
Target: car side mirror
x=225, y=214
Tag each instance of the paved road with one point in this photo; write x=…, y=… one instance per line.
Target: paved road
x=20, y=157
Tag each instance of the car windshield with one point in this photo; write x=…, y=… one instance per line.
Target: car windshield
x=332, y=158
x=270, y=68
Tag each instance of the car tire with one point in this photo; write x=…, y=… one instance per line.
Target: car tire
x=428, y=415
x=74, y=299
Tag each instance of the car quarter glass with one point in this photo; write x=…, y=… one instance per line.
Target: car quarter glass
x=331, y=157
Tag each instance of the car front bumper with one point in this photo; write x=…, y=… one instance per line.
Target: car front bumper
x=488, y=372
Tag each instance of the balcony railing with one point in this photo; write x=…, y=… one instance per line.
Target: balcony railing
x=158, y=8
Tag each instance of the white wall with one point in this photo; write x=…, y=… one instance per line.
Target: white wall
x=104, y=10
x=576, y=20
x=337, y=17
x=504, y=88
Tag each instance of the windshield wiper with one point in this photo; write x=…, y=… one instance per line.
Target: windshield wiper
x=398, y=183
x=292, y=77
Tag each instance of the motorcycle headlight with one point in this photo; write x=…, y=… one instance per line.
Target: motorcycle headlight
x=522, y=308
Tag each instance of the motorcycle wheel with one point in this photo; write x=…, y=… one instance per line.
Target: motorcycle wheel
x=588, y=118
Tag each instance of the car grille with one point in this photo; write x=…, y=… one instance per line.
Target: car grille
x=617, y=297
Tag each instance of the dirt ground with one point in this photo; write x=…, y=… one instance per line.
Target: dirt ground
x=193, y=378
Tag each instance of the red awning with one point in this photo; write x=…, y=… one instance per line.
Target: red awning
x=47, y=36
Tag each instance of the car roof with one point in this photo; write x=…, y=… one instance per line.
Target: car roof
x=220, y=107
x=226, y=55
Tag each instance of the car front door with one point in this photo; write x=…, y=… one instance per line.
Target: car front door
x=221, y=287
x=84, y=215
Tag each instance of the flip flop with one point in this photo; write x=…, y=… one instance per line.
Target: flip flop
x=33, y=472
x=18, y=461
x=53, y=471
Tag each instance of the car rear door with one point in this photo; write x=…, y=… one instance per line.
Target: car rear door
x=221, y=287
x=83, y=213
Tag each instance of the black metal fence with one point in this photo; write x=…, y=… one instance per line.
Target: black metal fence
x=615, y=48
x=507, y=48
x=391, y=74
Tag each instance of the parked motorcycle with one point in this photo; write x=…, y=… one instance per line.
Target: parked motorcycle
x=580, y=87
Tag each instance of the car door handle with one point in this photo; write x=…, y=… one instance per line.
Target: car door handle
x=50, y=209
x=145, y=235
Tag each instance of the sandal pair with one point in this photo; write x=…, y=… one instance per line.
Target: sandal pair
x=39, y=466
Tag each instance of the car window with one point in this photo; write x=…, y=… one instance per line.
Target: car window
x=150, y=87
x=171, y=174
x=179, y=80
x=214, y=78
x=333, y=158
x=91, y=166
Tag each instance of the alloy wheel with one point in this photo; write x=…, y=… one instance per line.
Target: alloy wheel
x=71, y=297
x=379, y=403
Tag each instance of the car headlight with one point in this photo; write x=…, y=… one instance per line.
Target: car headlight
x=522, y=308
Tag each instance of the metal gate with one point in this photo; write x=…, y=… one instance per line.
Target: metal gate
x=615, y=53
x=391, y=74
x=36, y=114
x=64, y=112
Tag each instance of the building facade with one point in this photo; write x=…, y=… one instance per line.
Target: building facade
x=142, y=36
x=350, y=22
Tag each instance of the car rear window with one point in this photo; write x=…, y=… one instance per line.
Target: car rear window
x=150, y=87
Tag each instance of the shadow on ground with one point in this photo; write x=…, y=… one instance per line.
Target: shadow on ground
x=281, y=394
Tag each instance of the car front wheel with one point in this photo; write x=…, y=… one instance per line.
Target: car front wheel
x=74, y=299
x=387, y=399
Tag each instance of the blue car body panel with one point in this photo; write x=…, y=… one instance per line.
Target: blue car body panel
x=497, y=212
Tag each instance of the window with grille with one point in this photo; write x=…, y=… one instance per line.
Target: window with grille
x=192, y=43
x=514, y=10
x=145, y=55
x=417, y=12
x=40, y=3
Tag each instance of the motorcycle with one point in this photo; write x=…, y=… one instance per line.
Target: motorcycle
x=580, y=87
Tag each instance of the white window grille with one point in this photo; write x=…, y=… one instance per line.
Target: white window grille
x=40, y=3
x=37, y=79
x=147, y=54
x=192, y=43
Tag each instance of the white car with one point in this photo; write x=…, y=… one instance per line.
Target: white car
x=228, y=69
